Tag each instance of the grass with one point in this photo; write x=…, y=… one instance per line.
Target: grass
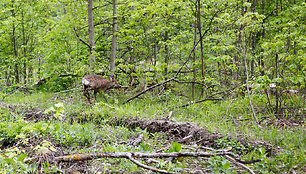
x=71, y=130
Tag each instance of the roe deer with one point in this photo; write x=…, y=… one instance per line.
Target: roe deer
x=97, y=83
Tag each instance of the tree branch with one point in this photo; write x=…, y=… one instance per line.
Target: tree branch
x=239, y=164
x=178, y=72
x=77, y=35
x=199, y=101
x=145, y=166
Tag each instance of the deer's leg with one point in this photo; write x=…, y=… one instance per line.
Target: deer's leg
x=104, y=96
x=95, y=94
x=86, y=93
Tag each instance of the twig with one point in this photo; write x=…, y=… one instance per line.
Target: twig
x=209, y=97
x=169, y=116
x=137, y=141
x=186, y=138
x=226, y=91
x=199, y=101
x=148, y=89
x=77, y=35
x=145, y=166
x=190, y=82
x=68, y=90
x=239, y=164
x=108, y=105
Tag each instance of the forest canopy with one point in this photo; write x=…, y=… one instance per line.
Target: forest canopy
x=46, y=39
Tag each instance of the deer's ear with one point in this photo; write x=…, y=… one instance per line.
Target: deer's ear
x=111, y=77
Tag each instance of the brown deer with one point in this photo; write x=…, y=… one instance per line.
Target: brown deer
x=97, y=83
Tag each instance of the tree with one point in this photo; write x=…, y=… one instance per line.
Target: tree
x=91, y=35
x=114, y=39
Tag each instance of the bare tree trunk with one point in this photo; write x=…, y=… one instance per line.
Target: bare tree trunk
x=201, y=40
x=194, y=60
x=276, y=90
x=24, y=43
x=7, y=77
x=114, y=39
x=14, y=42
x=167, y=54
x=247, y=82
x=91, y=33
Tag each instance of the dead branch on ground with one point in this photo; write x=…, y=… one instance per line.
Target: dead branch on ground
x=239, y=164
x=132, y=155
x=91, y=156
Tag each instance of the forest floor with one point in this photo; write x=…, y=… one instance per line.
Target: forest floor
x=38, y=131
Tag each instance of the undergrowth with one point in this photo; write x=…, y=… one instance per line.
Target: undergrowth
x=75, y=126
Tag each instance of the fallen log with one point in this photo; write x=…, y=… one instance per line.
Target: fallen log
x=90, y=156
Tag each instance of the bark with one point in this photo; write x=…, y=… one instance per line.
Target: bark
x=167, y=54
x=91, y=40
x=194, y=60
x=14, y=42
x=247, y=83
x=24, y=42
x=276, y=90
x=90, y=156
x=114, y=39
x=201, y=40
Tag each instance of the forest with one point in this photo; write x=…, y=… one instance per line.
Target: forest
x=158, y=86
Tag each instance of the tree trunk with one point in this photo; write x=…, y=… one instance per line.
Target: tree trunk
x=24, y=43
x=247, y=80
x=91, y=40
x=194, y=60
x=277, y=85
x=114, y=39
x=201, y=40
x=14, y=42
x=167, y=54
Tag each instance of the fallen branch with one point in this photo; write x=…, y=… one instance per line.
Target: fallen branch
x=91, y=156
x=146, y=166
x=239, y=164
x=132, y=155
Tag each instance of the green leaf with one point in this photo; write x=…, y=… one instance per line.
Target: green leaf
x=277, y=80
x=226, y=164
x=49, y=110
x=9, y=160
x=175, y=147
x=21, y=157
x=59, y=105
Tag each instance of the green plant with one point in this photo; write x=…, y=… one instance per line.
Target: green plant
x=219, y=164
